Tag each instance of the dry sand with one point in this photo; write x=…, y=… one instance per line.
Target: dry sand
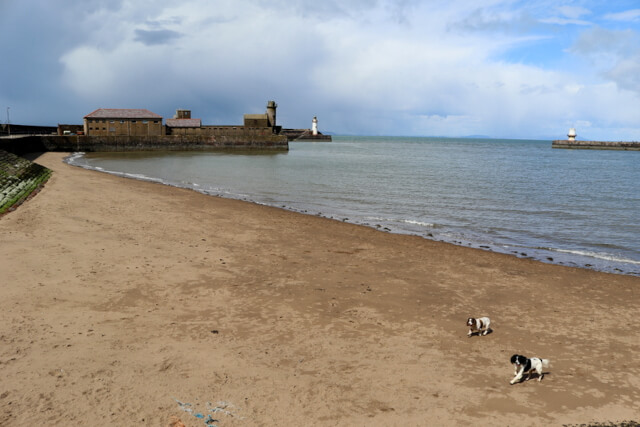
x=131, y=303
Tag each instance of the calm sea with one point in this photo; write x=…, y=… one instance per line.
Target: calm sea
x=570, y=207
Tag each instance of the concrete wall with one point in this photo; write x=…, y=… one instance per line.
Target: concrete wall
x=22, y=145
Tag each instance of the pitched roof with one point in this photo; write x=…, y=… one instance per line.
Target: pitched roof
x=122, y=113
x=183, y=123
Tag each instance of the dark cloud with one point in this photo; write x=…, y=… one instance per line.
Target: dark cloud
x=156, y=37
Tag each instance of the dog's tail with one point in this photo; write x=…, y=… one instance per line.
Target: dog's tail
x=545, y=363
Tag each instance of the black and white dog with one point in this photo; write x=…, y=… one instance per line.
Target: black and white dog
x=480, y=325
x=524, y=365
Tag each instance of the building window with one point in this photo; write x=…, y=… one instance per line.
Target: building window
x=145, y=121
x=112, y=121
x=121, y=121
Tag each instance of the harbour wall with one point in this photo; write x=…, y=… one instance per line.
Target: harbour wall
x=73, y=143
x=596, y=145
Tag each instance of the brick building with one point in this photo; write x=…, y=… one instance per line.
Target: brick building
x=122, y=122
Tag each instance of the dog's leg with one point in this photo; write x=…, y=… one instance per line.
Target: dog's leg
x=518, y=376
x=470, y=332
x=540, y=374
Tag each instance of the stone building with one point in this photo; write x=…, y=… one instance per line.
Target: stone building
x=265, y=120
x=183, y=124
x=254, y=126
x=122, y=122
x=141, y=122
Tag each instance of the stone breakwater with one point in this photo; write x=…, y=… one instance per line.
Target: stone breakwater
x=596, y=145
x=41, y=143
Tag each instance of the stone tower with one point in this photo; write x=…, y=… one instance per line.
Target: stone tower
x=314, y=126
x=271, y=113
x=182, y=114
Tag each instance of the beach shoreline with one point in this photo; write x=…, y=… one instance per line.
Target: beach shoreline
x=131, y=302
x=545, y=217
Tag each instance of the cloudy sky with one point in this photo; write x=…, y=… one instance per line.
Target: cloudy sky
x=501, y=68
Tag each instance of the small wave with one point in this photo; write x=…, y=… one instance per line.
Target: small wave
x=141, y=177
x=402, y=221
x=74, y=156
x=423, y=224
x=604, y=256
x=72, y=161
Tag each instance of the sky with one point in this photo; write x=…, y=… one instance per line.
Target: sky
x=497, y=68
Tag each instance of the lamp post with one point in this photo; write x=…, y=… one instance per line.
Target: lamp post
x=8, y=122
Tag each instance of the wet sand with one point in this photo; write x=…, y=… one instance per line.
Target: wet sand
x=132, y=303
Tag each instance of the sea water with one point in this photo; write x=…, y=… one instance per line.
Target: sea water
x=572, y=207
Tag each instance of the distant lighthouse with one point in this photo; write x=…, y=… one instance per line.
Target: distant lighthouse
x=572, y=134
x=314, y=126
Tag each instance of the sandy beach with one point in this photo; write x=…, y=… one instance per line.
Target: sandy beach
x=132, y=303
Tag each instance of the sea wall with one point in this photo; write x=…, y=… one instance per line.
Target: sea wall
x=596, y=145
x=84, y=143
x=19, y=178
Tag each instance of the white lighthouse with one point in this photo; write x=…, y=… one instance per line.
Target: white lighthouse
x=314, y=126
x=572, y=134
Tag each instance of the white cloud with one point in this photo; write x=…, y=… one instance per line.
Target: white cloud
x=573, y=12
x=565, y=21
x=568, y=15
x=632, y=15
